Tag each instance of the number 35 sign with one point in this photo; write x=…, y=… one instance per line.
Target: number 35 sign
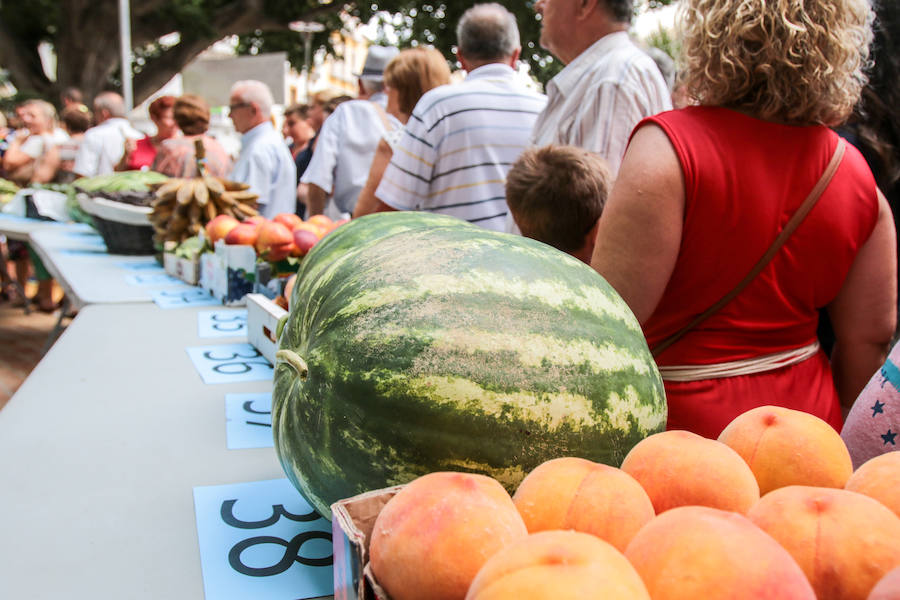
x=262, y=540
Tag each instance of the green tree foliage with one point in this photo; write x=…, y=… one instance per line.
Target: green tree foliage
x=84, y=34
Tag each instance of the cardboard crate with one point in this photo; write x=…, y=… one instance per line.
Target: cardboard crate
x=184, y=269
x=228, y=273
x=263, y=316
x=352, y=522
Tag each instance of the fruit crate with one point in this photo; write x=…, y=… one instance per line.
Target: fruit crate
x=183, y=268
x=352, y=521
x=228, y=273
x=263, y=316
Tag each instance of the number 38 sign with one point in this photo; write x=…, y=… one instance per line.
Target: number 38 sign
x=262, y=540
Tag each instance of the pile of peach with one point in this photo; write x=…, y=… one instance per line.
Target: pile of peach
x=772, y=509
x=274, y=240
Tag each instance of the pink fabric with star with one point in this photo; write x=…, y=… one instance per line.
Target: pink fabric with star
x=873, y=425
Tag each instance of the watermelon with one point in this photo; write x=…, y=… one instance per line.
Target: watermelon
x=419, y=343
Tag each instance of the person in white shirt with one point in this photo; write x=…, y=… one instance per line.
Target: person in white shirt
x=104, y=144
x=347, y=142
x=33, y=155
x=608, y=83
x=265, y=163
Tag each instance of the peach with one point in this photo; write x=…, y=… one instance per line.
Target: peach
x=274, y=241
x=289, y=220
x=694, y=552
x=879, y=478
x=888, y=588
x=310, y=227
x=788, y=447
x=219, y=227
x=321, y=221
x=844, y=542
x=575, y=493
x=304, y=240
x=255, y=220
x=558, y=564
x=243, y=234
x=678, y=468
x=289, y=290
x=432, y=538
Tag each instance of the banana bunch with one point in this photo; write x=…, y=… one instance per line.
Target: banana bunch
x=183, y=206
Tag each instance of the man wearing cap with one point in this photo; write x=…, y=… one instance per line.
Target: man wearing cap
x=347, y=141
x=265, y=163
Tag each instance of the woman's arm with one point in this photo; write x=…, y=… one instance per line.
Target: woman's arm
x=46, y=166
x=864, y=313
x=14, y=158
x=640, y=229
x=367, y=202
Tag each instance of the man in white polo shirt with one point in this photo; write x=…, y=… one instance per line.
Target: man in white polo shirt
x=265, y=163
x=462, y=139
x=104, y=144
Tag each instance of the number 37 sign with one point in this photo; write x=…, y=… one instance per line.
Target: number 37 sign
x=262, y=540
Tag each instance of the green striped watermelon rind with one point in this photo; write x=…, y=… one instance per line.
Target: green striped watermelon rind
x=432, y=344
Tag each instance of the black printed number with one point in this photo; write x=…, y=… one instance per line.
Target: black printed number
x=235, y=367
x=291, y=548
x=232, y=323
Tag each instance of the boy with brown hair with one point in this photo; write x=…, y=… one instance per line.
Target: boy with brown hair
x=556, y=194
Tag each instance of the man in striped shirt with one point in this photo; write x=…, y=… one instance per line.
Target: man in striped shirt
x=462, y=139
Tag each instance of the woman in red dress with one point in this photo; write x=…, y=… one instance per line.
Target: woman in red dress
x=704, y=191
x=139, y=154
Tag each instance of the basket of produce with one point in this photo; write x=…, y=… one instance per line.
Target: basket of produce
x=120, y=207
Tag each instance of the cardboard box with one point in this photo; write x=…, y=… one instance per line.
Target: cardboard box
x=228, y=273
x=352, y=522
x=263, y=316
x=184, y=269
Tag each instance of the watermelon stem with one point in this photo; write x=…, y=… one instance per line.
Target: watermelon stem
x=293, y=359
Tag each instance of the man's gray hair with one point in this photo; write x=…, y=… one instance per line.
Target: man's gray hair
x=251, y=90
x=487, y=32
x=372, y=86
x=111, y=102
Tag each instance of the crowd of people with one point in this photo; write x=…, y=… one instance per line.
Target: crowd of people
x=730, y=220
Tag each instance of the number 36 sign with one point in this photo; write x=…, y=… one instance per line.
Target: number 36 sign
x=262, y=540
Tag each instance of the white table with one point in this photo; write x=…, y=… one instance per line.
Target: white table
x=77, y=258
x=101, y=447
x=20, y=228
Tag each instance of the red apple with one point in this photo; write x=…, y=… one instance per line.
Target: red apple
x=274, y=241
x=304, y=239
x=289, y=220
x=243, y=234
x=219, y=227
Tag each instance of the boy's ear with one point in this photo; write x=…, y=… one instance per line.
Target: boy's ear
x=586, y=251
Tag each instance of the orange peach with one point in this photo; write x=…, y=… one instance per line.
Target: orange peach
x=558, y=564
x=845, y=542
x=243, y=234
x=289, y=290
x=788, y=447
x=575, y=493
x=678, y=468
x=879, y=478
x=432, y=538
x=321, y=221
x=274, y=241
x=256, y=220
x=888, y=588
x=310, y=227
x=289, y=220
x=219, y=227
x=694, y=552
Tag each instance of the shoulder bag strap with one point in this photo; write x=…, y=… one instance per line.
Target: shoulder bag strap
x=783, y=236
x=382, y=114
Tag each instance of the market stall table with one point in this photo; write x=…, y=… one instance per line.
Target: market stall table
x=102, y=446
x=77, y=258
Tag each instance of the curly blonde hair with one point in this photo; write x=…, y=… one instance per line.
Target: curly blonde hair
x=797, y=61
